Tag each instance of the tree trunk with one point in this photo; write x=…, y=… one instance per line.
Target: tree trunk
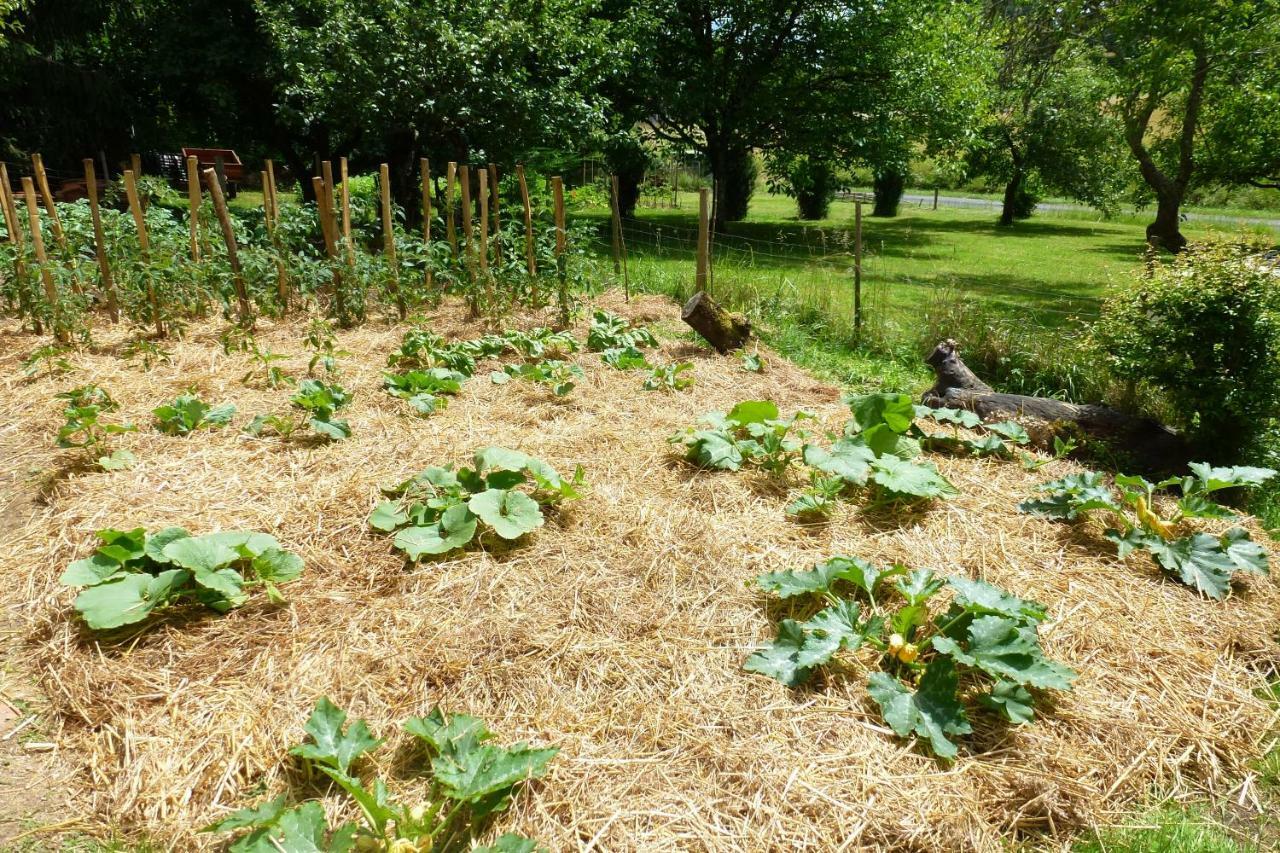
x=628, y=192
x=722, y=330
x=1164, y=233
x=1009, y=211
x=888, y=186
x=734, y=171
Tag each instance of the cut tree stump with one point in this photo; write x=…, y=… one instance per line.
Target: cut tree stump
x=1150, y=444
x=721, y=329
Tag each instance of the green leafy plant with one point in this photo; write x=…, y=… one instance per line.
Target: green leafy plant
x=609, y=331
x=319, y=401
x=324, y=347
x=473, y=780
x=625, y=358
x=558, y=376
x=751, y=433
x=667, y=377
x=188, y=413
x=986, y=637
x=148, y=351
x=995, y=441
x=426, y=391
x=51, y=359
x=540, y=344
x=1062, y=448
x=133, y=574
x=752, y=362
x=422, y=349
x=441, y=510
x=1201, y=560
x=84, y=427
x=819, y=499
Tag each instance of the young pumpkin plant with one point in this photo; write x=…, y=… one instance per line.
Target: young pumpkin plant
x=318, y=401
x=134, y=573
x=441, y=510
x=1203, y=561
x=188, y=413
x=752, y=433
x=609, y=331
x=986, y=639
x=473, y=780
x=426, y=390
x=86, y=429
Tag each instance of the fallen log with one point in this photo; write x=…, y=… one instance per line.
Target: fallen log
x=1141, y=442
x=721, y=329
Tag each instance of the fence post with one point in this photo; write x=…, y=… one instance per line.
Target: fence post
x=497, y=225
x=700, y=282
x=229, y=237
x=557, y=194
x=348, y=244
x=857, y=264
x=529, y=255
x=450, y=229
x=484, y=222
x=193, y=202
x=325, y=209
x=389, y=237
x=100, y=241
x=275, y=199
x=424, y=166
x=9, y=225
x=619, y=243
x=15, y=237
x=37, y=240
x=144, y=242
x=464, y=179
x=282, y=277
x=42, y=184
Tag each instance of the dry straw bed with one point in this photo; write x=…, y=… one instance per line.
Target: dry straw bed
x=617, y=632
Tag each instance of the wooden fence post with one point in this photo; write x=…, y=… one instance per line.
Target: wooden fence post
x=282, y=275
x=484, y=221
x=424, y=167
x=9, y=225
x=464, y=179
x=529, y=255
x=37, y=240
x=857, y=264
x=557, y=195
x=619, y=242
x=144, y=242
x=275, y=199
x=42, y=184
x=450, y=230
x=700, y=282
x=100, y=241
x=389, y=237
x=193, y=201
x=325, y=211
x=15, y=237
x=497, y=225
x=348, y=242
x=135, y=163
x=229, y=237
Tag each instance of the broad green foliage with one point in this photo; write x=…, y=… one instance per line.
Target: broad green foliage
x=998, y=435
x=85, y=428
x=440, y=510
x=187, y=413
x=987, y=636
x=1200, y=560
x=324, y=347
x=626, y=358
x=425, y=390
x=609, y=332
x=752, y=362
x=752, y=433
x=473, y=780
x=134, y=573
x=668, y=377
x=318, y=401
x=558, y=376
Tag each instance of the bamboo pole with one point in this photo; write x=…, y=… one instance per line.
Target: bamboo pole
x=700, y=282
x=229, y=237
x=389, y=237
x=282, y=276
x=497, y=225
x=347, y=241
x=424, y=166
x=529, y=254
x=193, y=202
x=144, y=242
x=100, y=241
x=46, y=275
x=450, y=233
x=484, y=222
x=42, y=183
x=464, y=180
x=557, y=195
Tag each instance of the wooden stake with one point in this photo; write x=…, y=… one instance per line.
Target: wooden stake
x=37, y=240
x=42, y=183
x=193, y=202
x=464, y=179
x=135, y=163
x=450, y=233
x=700, y=283
x=424, y=166
x=275, y=199
x=100, y=241
x=529, y=254
x=330, y=242
x=326, y=171
x=615, y=225
x=389, y=237
x=282, y=275
x=229, y=237
x=15, y=237
x=857, y=264
x=619, y=242
x=346, y=214
x=557, y=195
x=144, y=242
x=484, y=222
x=10, y=222
x=497, y=226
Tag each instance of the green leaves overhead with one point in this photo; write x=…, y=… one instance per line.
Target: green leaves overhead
x=134, y=574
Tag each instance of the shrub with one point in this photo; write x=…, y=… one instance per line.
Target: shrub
x=1203, y=331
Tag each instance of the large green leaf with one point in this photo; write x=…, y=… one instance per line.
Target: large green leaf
x=1211, y=479
x=710, y=449
x=201, y=553
x=911, y=478
x=1071, y=496
x=753, y=412
x=263, y=814
x=334, y=430
x=1200, y=561
x=823, y=576
x=781, y=659
x=485, y=770
x=933, y=711
x=456, y=527
x=896, y=411
x=450, y=737
x=849, y=458
x=1008, y=650
x=1012, y=700
x=500, y=459
x=510, y=513
x=919, y=586
x=122, y=545
x=277, y=566
x=126, y=599
x=91, y=570
x=157, y=542
x=333, y=746
x=1245, y=554
x=226, y=582
x=981, y=598
x=834, y=629
x=387, y=516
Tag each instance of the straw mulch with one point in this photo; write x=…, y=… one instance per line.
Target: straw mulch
x=616, y=632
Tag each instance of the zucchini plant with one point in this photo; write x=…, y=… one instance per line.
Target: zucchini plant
x=427, y=390
x=626, y=358
x=85, y=428
x=318, y=402
x=1201, y=560
x=995, y=441
x=441, y=510
x=187, y=413
x=667, y=377
x=473, y=780
x=751, y=433
x=557, y=376
x=540, y=344
x=609, y=331
x=985, y=636
x=134, y=573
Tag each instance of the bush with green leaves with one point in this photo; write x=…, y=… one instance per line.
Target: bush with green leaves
x=473, y=780
x=322, y=343
x=441, y=510
x=752, y=433
x=1201, y=560
x=558, y=376
x=85, y=428
x=1202, y=330
x=318, y=401
x=609, y=331
x=188, y=413
x=134, y=573
x=986, y=638
x=668, y=377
